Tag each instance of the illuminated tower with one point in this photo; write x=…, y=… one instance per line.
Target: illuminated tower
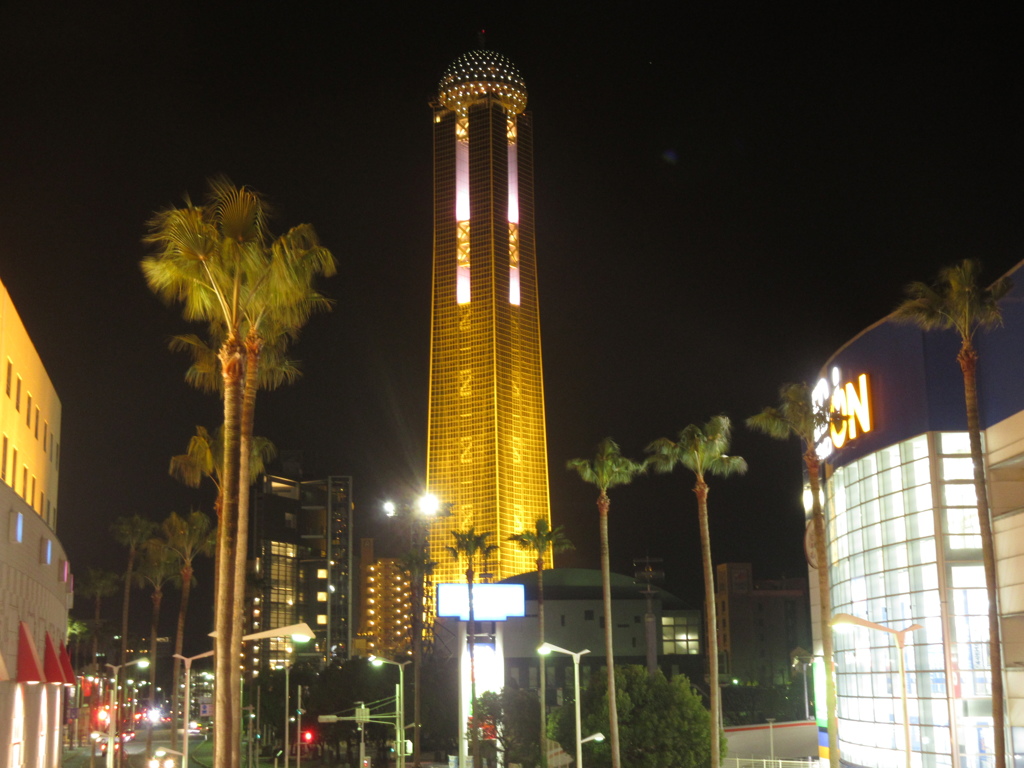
x=486, y=452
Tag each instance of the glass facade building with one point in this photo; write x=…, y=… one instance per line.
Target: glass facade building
x=486, y=442
x=904, y=545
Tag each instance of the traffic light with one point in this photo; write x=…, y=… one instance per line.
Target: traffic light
x=307, y=737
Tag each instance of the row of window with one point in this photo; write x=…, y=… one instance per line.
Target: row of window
x=28, y=483
x=16, y=534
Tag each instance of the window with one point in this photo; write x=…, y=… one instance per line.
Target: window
x=588, y=615
x=10, y=371
x=32, y=498
x=45, y=550
x=17, y=395
x=14, y=469
x=37, y=422
x=28, y=410
x=17, y=527
x=46, y=432
x=3, y=466
x=24, y=482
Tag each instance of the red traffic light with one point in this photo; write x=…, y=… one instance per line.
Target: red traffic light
x=307, y=736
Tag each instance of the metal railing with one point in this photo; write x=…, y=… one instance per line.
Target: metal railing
x=765, y=762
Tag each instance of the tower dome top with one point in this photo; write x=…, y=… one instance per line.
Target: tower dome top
x=478, y=73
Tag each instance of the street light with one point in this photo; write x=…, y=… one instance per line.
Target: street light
x=377, y=661
x=544, y=650
x=300, y=633
x=188, y=700
x=900, y=635
x=112, y=721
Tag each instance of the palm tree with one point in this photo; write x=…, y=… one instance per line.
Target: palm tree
x=797, y=416
x=205, y=258
x=609, y=468
x=157, y=568
x=541, y=541
x=185, y=538
x=704, y=451
x=957, y=301
x=204, y=459
x=218, y=259
x=130, y=532
x=97, y=585
x=417, y=563
x=472, y=545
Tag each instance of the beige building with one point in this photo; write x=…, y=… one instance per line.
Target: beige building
x=35, y=579
x=385, y=606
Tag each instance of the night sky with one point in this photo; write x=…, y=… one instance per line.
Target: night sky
x=724, y=198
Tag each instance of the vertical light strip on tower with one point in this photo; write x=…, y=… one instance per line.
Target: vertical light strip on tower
x=486, y=453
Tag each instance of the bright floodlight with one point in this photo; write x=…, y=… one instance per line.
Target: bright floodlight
x=428, y=504
x=389, y=508
x=593, y=737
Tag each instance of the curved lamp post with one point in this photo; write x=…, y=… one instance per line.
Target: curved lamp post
x=112, y=720
x=187, y=716
x=300, y=633
x=544, y=650
x=900, y=635
x=427, y=507
x=377, y=661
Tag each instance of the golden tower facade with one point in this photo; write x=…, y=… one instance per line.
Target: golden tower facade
x=486, y=442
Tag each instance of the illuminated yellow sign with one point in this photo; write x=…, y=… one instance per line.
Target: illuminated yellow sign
x=851, y=401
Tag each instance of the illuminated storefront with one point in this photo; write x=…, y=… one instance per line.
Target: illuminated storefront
x=905, y=544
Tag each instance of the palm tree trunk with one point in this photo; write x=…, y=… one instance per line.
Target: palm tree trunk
x=154, y=628
x=701, y=491
x=96, y=635
x=474, y=741
x=824, y=604
x=968, y=359
x=543, y=664
x=124, y=606
x=186, y=589
x=603, y=504
x=246, y=421
x=225, y=657
x=417, y=657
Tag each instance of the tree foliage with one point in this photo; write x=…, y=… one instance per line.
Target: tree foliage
x=511, y=718
x=662, y=723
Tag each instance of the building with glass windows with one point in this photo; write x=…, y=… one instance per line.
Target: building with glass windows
x=301, y=540
x=904, y=545
x=486, y=444
x=35, y=576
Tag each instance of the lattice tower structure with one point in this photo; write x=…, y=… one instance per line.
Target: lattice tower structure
x=487, y=447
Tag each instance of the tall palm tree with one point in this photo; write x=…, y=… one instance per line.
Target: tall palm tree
x=472, y=546
x=797, y=416
x=417, y=563
x=542, y=540
x=959, y=302
x=703, y=451
x=156, y=569
x=204, y=459
x=131, y=533
x=97, y=585
x=186, y=538
x=219, y=260
x=608, y=469
x=205, y=256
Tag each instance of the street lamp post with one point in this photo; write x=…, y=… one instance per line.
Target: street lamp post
x=900, y=636
x=188, y=701
x=427, y=507
x=115, y=671
x=300, y=633
x=377, y=661
x=544, y=650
